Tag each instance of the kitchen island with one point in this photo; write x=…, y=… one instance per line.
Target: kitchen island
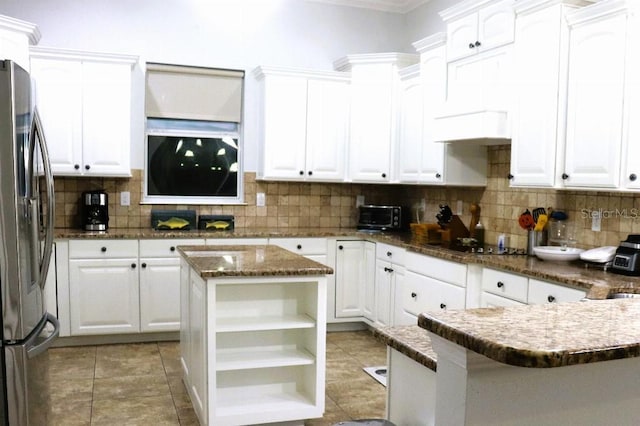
x=252, y=335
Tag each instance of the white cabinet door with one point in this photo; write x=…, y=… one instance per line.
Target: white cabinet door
x=595, y=103
x=327, y=130
x=198, y=351
x=350, y=279
x=106, y=118
x=630, y=178
x=58, y=89
x=410, y=130
x=462, y=34
x=284, y=127
x=104, y=296
x=540, y=49
x=383, y=291
x=159, y=294
x=372, y=106
x=433, y=71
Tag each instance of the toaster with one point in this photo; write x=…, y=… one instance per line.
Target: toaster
x=627, y=258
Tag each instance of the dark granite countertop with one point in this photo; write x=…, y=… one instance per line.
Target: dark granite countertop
x=410, y=340
x=249, y=261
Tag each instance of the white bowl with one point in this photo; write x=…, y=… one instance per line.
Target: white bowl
x=557, y=253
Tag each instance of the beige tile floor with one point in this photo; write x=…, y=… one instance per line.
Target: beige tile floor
x=140, y=384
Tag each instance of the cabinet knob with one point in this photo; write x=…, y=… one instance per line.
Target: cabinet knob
x=565, y=176
x=103, y=249
x=172, y=248
x=299, y=246
x=389, y=254
x=414, y=295
x=87, y=167
x=438, y=175
x=76, y=166
x=144, y=265
x=384, y=175
x=443, y=306
x=510, y=176
x=133, y=266
x=551, y=299
x=340, y=247
x=471, y=45
x=477, y=44
x=500, y=284
x=301, y=172
x=309, y=172
x=388, y=269
x=633, y=177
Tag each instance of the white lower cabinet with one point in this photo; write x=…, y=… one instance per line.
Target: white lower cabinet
x=256, y=347
x=389, y=275
x=545, y=292
x=103, y=287
x=354, y=268
x=311, y=248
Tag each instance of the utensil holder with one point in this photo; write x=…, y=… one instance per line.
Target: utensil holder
x=535, y=239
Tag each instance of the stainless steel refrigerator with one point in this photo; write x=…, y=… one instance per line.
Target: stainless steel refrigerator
x=26, y=240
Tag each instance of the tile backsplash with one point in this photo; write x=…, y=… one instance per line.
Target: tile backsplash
x=301, y=205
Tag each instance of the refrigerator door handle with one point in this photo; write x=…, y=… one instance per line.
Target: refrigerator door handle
x=35, y=350
x=36, y=130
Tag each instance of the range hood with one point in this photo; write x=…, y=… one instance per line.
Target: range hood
x=477, y=127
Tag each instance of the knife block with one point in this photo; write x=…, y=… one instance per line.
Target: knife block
x=452, y=231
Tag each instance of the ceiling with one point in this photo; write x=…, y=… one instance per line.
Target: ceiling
x=396, y=6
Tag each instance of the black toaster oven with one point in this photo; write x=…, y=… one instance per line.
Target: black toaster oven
x=383, y=218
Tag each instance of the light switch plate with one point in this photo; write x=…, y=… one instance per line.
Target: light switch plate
x=459, y=207
x=125, y=198
x=260, y=199
x=596, y=221
x=359, y=201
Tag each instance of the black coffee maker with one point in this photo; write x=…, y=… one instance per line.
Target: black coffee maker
x=94, y=210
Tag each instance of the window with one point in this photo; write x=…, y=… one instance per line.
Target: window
x=193, y=146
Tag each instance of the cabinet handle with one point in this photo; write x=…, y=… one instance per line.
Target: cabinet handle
x=103, y=249
x=301, y=172
x=633, y=177
x=510, y=176
x=551, y=299
x=76, y=166
x=414, y=295
x=443, y=306
x=565, y=176
x=299, y=246
x=309, y=172
x=500, y=284
x=87, y=167
x=133, y=266
x=172, y=248
x=388, y=269
x=438, y=175
x=144, y=265
x=340, y=247
x=477, y=44
x=384, y=175
x=471, y=45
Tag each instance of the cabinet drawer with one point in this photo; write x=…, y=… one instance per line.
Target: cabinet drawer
x=443, y=270
x=166, y=248
x=489, y=300
x=302, y=246
x=422, y=294
x=102, y=249
x=505, y=284
x=390, y=253
x=545, y=292
x=237, y=241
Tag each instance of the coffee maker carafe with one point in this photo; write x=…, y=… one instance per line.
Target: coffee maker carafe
x=95, y=210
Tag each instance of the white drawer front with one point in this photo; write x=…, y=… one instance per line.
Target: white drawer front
x=390, y=253
x=505, y=284
x=102, y=249
x=423, y=294
x=302, y=246
x=443, y=270
x=166, y=247
x=489, y=300
x=545, y=292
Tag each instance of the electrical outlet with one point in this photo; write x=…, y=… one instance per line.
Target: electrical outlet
x=125, y=198
x=459, y=207
x=359, y=201
x=596, y=221
x=260, y=199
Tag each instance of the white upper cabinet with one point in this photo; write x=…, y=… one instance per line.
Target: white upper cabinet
x=476, y=26
x=15, y=38
x=540, y=62
x=374, y=87
x=85, y=105
x=595, y=97
x=303, y=124
x=630, y=169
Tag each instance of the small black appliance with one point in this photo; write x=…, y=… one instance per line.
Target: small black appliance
x=627, y=258
x=94, y=207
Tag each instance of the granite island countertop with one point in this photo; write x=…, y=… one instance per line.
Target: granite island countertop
x=543, y=336
x=249, y=261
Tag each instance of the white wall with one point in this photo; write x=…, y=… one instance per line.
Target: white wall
x=239, y=34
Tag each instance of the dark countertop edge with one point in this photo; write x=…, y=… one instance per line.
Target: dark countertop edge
x=396, y=341
x=526, y=358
